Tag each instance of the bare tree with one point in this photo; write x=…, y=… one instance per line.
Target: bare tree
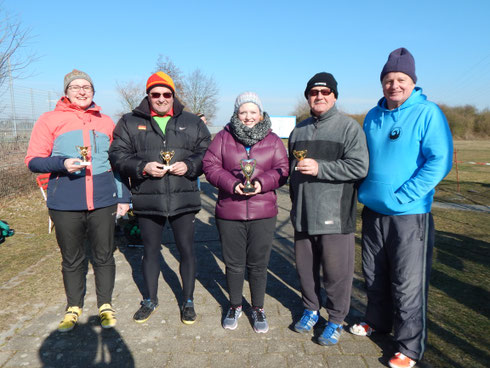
x=14, y=39
x=166, y=65
x=201, y=94
x=301, y=110
x=130, y=95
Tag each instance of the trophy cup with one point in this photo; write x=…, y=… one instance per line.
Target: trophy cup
x=84, y=153
x=248, y=167
x=167, y=156
x=299, y=155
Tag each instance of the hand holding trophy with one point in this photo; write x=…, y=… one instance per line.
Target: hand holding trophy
x=299, y=155
x=167, y=157
x=248, y=168
x=84, y=153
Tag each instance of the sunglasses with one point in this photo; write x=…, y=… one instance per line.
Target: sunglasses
x=156, y=95
x=324, y=92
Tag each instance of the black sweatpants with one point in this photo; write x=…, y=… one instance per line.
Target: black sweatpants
x=151, y=233
x=246, y=245
x=335, y=254
x=72, y=229
x=396, y=262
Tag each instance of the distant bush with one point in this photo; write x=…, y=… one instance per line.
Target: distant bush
x=358, y=117
x=466, y=122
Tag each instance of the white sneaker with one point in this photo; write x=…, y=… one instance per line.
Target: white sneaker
x=361, y=329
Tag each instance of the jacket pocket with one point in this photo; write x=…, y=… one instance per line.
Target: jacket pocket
x=379, y=197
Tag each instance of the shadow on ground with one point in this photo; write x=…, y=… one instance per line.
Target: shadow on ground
x=86, y=346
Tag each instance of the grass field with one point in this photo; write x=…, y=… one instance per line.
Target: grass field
x=474, y=180
x=459, y=313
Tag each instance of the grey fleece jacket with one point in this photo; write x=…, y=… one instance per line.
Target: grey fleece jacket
x=326, y=204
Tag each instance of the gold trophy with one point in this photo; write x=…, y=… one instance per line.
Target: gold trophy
x=167, y=156
x=299, y=155
x=248, y=168
x=84, y=153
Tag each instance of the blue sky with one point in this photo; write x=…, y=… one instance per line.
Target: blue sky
x=270, y=47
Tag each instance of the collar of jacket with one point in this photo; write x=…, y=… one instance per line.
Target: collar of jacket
x=144, y=108
x=325, y=116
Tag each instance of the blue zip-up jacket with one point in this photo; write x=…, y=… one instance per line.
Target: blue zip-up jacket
x=410, y=152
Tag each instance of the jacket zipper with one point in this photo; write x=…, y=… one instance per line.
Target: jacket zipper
x=167, y=178
x=246, y=201
x=56, y=184
x=95, y=140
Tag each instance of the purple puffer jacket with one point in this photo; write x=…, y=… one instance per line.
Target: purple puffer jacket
x=221, y=164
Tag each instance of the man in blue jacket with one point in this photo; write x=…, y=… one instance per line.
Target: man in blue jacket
x=410, y=152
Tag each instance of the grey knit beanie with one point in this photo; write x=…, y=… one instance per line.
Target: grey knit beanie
x=76, y=74
x=400, y=60
x=248, y=97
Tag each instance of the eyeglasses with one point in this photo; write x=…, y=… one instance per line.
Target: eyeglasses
x=156, y=95
x=78, y=88
x=324, y=92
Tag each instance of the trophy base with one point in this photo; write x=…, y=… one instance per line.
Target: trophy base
x=248, y=190
x=167, y=167
x=85, y=163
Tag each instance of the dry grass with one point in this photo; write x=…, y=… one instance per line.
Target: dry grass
x=458, y=298
x=15, y=178
x=28, y=262
x=474, y=180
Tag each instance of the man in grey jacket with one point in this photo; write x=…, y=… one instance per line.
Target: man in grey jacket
x=328, y=155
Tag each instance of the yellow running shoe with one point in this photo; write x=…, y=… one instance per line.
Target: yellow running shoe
x=70, y=320
x=107, y=316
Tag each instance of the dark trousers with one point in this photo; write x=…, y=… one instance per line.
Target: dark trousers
x=246, y=245
x=396, y=262
x=334, y=253
x=72, y=229
x=151, y=233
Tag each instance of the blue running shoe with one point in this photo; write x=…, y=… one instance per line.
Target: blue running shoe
x=330, y=335
x=307, y=321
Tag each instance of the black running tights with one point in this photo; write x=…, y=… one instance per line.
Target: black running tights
x=151, y=232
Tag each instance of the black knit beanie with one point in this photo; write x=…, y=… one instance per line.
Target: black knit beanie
x=322, y=79
x=400, y=60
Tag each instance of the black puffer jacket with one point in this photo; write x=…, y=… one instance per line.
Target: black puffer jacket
x=138, y=140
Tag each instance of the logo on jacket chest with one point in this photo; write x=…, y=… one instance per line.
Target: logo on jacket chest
x=395, y=133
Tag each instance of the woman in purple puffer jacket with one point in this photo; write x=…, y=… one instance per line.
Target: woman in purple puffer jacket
x=246, y=217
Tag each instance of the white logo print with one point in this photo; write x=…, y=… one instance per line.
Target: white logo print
x=182, y=128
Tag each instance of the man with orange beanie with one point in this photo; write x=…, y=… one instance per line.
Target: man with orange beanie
x=160, y=147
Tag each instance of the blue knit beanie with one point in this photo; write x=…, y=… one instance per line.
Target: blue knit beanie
x=400, y=60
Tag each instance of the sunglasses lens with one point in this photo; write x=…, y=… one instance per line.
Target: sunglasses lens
x=157, y=95
x=324, y=92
